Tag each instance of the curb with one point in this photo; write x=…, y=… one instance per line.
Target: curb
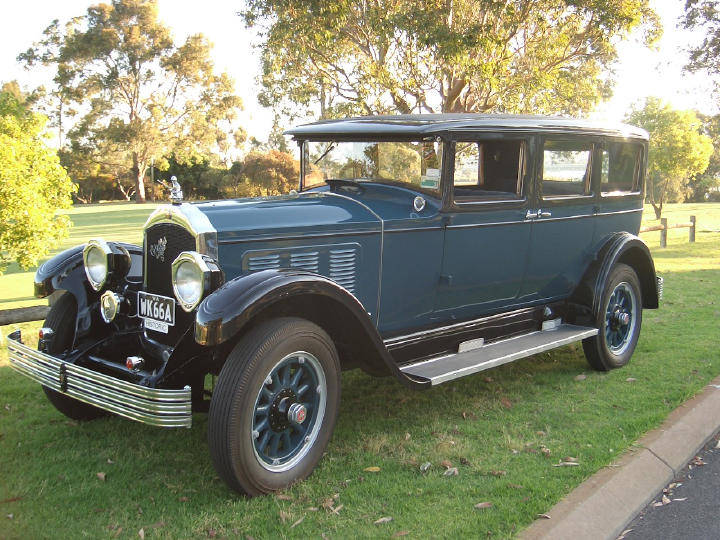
x=605, y=503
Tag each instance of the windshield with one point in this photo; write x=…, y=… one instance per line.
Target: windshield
x=414, y=164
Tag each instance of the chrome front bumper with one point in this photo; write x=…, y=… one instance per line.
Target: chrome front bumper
x=157, y=407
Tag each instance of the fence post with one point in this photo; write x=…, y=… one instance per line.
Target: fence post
x=663, y=232
x=692, y=228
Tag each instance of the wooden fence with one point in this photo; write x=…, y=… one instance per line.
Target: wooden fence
x=663, y=228
x=23, y=314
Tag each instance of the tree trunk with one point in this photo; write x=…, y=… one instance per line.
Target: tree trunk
x=658, y=210
x=139, y=175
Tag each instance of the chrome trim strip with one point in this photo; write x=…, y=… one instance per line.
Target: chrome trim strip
x=619, y=212
x=562, y=218
x=297, y=236
x=540, y=220
x=154, y=406
x=415, y=229
x=423, y=334
x=489, y=224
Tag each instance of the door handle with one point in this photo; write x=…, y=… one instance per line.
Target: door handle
x=544, y=213
x=530, y=214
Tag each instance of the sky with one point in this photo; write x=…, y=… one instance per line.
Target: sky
x=640, y=72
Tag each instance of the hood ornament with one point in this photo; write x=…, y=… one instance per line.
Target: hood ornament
x=176, y=194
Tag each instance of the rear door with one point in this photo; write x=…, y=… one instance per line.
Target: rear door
x=486, y=233
x=563, y=218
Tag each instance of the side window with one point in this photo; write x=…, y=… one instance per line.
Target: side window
x=620, y=171
x=566, y=168
x=488, y=171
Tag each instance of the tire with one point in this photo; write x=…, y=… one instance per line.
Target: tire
x=274, y=406
x=618, y=334
x=62, y=321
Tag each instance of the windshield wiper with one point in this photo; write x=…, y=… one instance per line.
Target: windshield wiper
x=325, y=153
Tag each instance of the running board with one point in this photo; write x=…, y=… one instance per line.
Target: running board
x=452, y=366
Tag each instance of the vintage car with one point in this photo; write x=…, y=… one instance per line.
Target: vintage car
x=426, y=247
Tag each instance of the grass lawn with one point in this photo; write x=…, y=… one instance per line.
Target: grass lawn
x=503, y=429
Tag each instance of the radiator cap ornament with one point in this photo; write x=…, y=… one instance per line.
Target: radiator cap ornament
x=176, y=194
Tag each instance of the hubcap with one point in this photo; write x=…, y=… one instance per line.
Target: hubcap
x=288, y=412
x=619, y=318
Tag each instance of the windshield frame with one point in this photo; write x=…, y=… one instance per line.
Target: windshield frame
x=435, y=193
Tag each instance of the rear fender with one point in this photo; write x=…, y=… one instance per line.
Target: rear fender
x=617, y=248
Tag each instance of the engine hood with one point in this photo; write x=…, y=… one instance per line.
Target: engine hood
x=287, y=216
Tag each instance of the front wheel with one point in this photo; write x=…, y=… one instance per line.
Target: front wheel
x=618, y=320
x=61, y=320
x=274, y=407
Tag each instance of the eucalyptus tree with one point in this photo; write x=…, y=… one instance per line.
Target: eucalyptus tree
x=135, y=95
x=678, y=150
x=376, y=56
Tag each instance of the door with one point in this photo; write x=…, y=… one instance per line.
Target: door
x=486, y=233
x=563, y=219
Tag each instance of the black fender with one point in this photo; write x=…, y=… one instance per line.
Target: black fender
x=66, y=272
x=621, y=247
x=224, y=314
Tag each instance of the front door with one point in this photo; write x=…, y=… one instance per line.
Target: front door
x=486, y=231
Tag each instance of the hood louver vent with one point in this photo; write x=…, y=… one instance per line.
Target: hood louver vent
x=338, y=262
x=266, y=262
x=342, y=267
x=305, y=261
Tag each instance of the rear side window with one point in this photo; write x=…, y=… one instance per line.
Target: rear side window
x=620, y=168
x=566, y=168
x=488, y=171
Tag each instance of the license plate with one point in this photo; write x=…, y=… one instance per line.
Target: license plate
x=158, y=311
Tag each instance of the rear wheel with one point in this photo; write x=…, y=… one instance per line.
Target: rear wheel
x=618, y=319
x=274, y=407
x=61, y=320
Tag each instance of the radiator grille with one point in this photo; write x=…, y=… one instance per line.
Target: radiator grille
x=342, y=267
x=158, y=271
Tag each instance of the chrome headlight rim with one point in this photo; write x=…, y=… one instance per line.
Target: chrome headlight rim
x=104, y=248
x=191, y=257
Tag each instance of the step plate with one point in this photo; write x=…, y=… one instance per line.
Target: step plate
x=452, y=366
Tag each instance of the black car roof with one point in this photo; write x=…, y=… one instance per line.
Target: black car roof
x=429, y=124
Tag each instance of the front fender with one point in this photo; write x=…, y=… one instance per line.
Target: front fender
x=65, y=272
x=226, y=312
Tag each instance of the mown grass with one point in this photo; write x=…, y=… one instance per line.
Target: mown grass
x=493, y=427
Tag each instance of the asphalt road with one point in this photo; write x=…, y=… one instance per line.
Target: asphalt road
x=693, y=512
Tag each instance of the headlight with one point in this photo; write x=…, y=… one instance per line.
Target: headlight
x=192, y=276
x=95, y=257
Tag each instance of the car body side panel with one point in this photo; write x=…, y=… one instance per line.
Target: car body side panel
x=411, y=252
x=315, y=232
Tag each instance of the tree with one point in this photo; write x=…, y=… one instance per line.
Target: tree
x=265, y=173
x=701, y=184
x=677, y=151
x=704, y=15
x=141, y=96
x=33, y=187
x=381, y=56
